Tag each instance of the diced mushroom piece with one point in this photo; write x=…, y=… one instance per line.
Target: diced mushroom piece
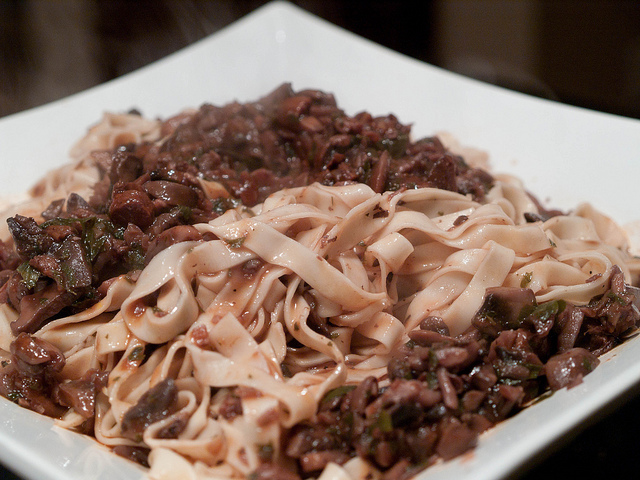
x=567, y=369
x=156, y=404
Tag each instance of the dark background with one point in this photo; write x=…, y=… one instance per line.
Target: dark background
x=585, y=53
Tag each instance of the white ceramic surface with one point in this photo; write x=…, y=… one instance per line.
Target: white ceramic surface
x=565, y=154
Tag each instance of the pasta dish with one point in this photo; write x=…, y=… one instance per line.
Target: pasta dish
x=277, y=289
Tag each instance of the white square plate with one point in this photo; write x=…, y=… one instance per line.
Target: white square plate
x=565, y=154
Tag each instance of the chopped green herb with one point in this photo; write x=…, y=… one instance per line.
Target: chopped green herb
x=134, y=258
x=337, y=392
x=222, y=204
x=395, y=146
x=95, y=232
x=14, y=396
x=234, y=242
x=384, y=422
x=432, y=379
x=29, y=274
x=587, y=364
x=616, y=298
x=546, y=310
x=136, y=354
x=185, y=212
x=526, y=279
x=432, y=359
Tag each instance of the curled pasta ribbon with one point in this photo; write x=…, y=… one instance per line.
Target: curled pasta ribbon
x=169, y=277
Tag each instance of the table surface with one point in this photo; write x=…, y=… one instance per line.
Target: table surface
x=109, y=38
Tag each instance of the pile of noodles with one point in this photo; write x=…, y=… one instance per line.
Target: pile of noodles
x=374, y=265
